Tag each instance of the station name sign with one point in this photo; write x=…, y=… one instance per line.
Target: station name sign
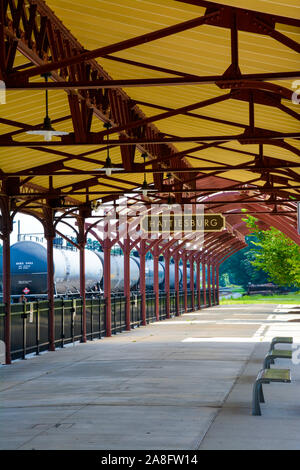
x=163, y=223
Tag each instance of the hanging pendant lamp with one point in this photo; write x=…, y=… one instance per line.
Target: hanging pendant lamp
x=47, y=130
x=108, y=168
x=145, y=187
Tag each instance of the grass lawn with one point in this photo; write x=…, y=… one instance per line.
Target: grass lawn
x=264, y=299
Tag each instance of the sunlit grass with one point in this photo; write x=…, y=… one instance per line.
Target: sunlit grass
x=263, y=299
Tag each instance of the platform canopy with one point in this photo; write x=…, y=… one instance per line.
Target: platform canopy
x=198, y=98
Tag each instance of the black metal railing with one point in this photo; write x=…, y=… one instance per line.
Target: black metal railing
x=135, y=309
x=173, y=302
x=181, y=301
x=189, y=300
x=29, y=320
x=95, y=318
x=118, y=313
x=162, y=305
x=30, y=329
x=150, y=307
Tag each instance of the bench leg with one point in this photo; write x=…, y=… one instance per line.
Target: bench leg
x=256, y=395
x=261, y=393
x=267, y=362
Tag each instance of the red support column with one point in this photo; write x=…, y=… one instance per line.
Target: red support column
x=209, y=283
x=50, y=235
x=218, y=285
x=6, y=229
x=82, y=291
x=143, y=280
x=126, y=253
x=204, y=282
x=214, y=283
x=167, y=283
x=156, y=281
x=81, y=242
x=6, y=295
x=192, y=281
x=50, y=290
x=198, y=284
x=176, y=271
x=6, y=226
x=107, y=286
x=184, y=280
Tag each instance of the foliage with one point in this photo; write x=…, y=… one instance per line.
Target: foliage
x=275, y=254
x=238, y=269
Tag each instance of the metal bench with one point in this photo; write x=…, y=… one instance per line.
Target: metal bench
x=281, y=340
x=266, y=376
x=276, y=354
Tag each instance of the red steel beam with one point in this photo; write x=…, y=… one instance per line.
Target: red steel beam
x=145, y=82
x=119, y=46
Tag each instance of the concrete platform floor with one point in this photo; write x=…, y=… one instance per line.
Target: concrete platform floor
x=184, y=383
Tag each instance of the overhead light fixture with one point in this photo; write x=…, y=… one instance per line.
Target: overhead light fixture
x=108, y=165
x=47, y=130
x=96, y=205
x=170, y=201
x=145, y=184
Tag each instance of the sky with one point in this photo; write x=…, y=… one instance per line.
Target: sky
x=30, y=224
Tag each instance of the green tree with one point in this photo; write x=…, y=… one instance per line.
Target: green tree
x=275, y=254
x=238, y=269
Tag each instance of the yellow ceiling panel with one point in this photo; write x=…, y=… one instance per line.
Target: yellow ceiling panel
x=290, y=8
x=204, y=50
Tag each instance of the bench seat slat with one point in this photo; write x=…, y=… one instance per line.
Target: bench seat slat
x=281, y=353
x=283, y=339
x=275, y=375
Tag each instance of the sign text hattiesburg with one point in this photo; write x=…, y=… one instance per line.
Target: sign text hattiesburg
x=182, y=223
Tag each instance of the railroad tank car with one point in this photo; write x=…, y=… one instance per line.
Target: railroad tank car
x=117, y=271
x=29, y=269
x=172, y=276
x=149, y=274
x=188, y=277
